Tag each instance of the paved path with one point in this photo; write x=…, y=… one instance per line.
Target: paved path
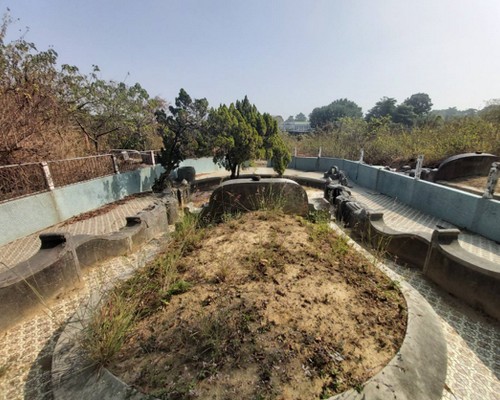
x=22, y=249
x=473, y=339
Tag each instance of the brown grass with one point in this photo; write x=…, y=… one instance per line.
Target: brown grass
x=272, y=307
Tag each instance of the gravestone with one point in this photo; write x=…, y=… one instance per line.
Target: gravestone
x=242, y=195
x=465, y=165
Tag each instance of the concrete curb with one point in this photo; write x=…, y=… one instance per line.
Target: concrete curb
x=418, y=370
x=471, y=278
x=56, y=267
x=465, y=275
x=73, y=376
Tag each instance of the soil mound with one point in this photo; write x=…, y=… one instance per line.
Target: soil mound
x=265, y=306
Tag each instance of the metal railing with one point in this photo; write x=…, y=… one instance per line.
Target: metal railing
x=66, y=172
x=26, y=179
x=21, y=180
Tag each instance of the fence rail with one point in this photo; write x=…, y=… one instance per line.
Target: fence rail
x=26, y=179
x=66, y=172
x=21, y=180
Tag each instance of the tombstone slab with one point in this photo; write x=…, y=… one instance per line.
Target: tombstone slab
x=464, y=165
x=242, y=195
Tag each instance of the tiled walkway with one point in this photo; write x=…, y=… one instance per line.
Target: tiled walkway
x=26, y=349
x=406, y=219
x=22, y=249
x=473, y=340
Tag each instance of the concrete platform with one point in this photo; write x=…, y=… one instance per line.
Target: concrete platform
x=24, y=248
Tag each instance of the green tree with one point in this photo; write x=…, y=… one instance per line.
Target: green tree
x=333, y=112
x=274, y=147
x=404, y=114
x=452, y=112
x=234, y=140
x=279, y=119
x=290, y=119
x=280, y=154
x=300, y=117
x=420, y=102
x=386, y=106
x=491, y=111
x=239, y=133
x=111, y=114
x=182, y=131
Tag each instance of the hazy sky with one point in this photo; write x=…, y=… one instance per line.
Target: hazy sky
x=288, y=56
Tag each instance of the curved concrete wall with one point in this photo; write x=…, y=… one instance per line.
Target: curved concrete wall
x=465, y=210
x=57, y=265
x=469, y=277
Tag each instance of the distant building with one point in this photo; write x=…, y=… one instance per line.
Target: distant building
x=293, y=127
x=296, y=127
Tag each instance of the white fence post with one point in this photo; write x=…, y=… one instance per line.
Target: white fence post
x=153, y=161
x=418, y=169
x=361, y=155
x=115, y=164
x=48, y=175
x=319, y=152
x=492, y=181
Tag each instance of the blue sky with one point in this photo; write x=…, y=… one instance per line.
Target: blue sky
x=288, y=56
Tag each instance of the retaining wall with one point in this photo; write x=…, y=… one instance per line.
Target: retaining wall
x=462, y=209
x=27, y=215
x=30, y=214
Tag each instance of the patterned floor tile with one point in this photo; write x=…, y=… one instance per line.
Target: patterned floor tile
x=22, y=249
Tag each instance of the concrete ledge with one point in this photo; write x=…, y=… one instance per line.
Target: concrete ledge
x=54, y=269
x=471, y=278
x=57, y=265
x=411, y=248
x=467, y=276
x=306, y=181
x=93, y=249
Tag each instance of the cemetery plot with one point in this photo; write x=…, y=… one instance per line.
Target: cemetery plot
x=263, y=306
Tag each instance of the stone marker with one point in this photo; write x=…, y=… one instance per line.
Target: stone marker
x=242, y=195
x=492, y=180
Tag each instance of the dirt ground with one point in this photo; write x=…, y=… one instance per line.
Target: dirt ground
x=473, y=184
x=104, y=209
x=273, y=307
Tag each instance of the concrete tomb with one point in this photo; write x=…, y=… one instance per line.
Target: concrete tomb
x=241, y=195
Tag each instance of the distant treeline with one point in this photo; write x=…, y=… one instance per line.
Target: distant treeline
x=394, y=134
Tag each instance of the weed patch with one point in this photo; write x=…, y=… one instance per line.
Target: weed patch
x=263, y=306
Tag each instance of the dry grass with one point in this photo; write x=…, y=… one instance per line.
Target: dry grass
x=263, y=306
x=389, y=144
